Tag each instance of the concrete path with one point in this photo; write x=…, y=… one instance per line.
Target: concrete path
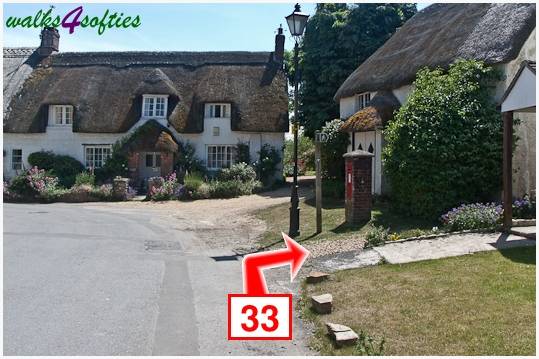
x=419, y=250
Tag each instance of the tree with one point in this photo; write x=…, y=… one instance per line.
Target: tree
x=338, y=38
x=333, y=149
x=444, y=146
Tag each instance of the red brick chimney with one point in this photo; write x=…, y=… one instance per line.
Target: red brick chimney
x=50, y=41
x=278, y=55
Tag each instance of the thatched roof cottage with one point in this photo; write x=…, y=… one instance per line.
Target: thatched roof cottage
x=502, y=35
x=80, y=104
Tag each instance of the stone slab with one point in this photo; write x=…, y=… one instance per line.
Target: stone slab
x=527, y=231
x=335, y=328
x=345, y=338
x=317, y=277
x=322, y=304
x=450, y=246
x=348, y=260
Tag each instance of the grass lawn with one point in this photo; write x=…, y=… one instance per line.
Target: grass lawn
x=333, y=223
x=480, y=304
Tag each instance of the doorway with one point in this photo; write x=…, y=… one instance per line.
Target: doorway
x=150, y=165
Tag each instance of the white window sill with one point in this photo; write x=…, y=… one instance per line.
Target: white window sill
x=146, y=118
x=60, y=127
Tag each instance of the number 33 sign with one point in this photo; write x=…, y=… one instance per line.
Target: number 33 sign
x=266, y=317
x=258, y=315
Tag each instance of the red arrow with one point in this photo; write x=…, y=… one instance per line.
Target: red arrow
x=254, y=282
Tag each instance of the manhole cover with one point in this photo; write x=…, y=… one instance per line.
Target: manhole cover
x=162, y=246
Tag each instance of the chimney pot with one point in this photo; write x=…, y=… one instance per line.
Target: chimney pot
x=278, y=54
x=50, y=41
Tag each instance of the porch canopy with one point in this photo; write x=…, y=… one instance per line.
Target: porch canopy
x=376, y=115
x=151, y=136
x=519, y=97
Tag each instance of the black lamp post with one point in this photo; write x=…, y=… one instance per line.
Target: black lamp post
x=296, y=23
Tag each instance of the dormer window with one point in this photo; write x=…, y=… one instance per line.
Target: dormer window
x=61, y=115
x=363, y=100
x=154, y=106
x=217, y=110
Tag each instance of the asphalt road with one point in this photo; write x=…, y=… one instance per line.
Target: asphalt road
x=88, y=279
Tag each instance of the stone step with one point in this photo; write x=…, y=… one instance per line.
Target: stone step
x=317, y=277
x=322, y=304
x=527, y=232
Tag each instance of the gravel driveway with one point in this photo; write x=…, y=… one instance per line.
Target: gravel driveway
x=220, y=223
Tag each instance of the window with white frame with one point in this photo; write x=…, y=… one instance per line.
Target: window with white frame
x=217, y=110
x=220, y=156
x=154, y=106
x=96, y=155
x=61, y=115
x=16, y=159
x=363, y=100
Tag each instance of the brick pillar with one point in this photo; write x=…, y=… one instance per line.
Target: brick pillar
x=167, y=162
x=358, y=186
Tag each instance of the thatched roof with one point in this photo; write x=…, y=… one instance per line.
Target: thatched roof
x=376, y=115
x=106, y=90
x=437, y=36
x=18, y=64
x=151, y=137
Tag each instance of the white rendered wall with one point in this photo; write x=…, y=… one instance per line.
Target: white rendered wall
x=366, y=139
x=524, y=163
x=62, y=140
x=522, y=95
x=347, y=107
x=402, y=93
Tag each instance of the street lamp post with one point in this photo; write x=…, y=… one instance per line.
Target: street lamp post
x=296, y=23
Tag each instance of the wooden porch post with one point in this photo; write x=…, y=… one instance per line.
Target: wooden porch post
x=507, y=169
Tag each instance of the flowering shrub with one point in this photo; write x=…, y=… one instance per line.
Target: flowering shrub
x=103, y=192
x=65, y=168
x=39, y=181
x=376, y=236
x=170, y=189
x=268, y=161
x=9, y=195
x=131, y=193
x=473, y=216
x=239, y=171
x=524, y=208
x=33, y=184
x=394, y=237
x=85, y=177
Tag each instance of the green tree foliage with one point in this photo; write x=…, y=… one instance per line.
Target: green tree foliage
x=444, y=146
x=338, y=38
x=333, y=149
x=305, y=155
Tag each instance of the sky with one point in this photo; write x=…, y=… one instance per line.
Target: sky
x=165, y=27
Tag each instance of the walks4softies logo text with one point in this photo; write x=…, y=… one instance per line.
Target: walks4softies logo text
x=74, y=19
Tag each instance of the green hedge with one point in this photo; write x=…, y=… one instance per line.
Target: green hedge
x=64, y=167
x=444, y=146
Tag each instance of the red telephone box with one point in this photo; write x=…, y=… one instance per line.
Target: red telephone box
x=358, y=185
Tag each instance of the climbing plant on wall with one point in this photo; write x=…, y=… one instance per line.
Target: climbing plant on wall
x=444, y=146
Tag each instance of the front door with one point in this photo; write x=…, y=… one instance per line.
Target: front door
x=151, y=165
